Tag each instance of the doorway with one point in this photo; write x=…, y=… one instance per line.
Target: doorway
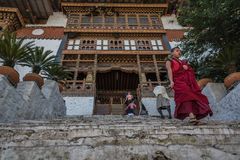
x=111, y=89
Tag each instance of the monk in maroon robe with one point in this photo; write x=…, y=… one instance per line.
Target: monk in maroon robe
x=190, y=102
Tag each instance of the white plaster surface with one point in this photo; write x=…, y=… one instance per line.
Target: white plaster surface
x=170, y=22
x=48, y=44
x=174, y=44
x=58, y=19
x=79, y=105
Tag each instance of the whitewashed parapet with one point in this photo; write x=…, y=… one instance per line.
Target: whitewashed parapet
x=225, y=105
x=11, y=102
x=215, y=92
x=54, y=98
x=28, y=102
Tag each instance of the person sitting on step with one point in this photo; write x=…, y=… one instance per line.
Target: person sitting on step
x=129, y=98
x=130, y=108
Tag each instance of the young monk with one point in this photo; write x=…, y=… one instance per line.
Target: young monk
x=190, y=102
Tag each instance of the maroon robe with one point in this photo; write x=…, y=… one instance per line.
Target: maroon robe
x=187, y=94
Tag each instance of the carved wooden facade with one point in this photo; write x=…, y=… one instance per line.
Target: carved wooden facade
x=32, y=10
x=114, y=48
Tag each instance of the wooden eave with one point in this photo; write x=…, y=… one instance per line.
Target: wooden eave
x=94, y=30
x=13, y=10
x=77, y=4
x=30, y=9
x=115, y=52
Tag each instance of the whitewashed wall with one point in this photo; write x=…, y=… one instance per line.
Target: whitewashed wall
x=58, y=19
x=79, y=105
x=170, y=22
x=48, y=44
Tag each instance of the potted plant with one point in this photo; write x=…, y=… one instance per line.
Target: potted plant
x=57, y=73
x=203, y=82
x=12, y=51
x=231, y=79
x=38, y=60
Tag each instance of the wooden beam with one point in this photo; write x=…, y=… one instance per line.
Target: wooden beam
x=79, y=4
x=29, y=11
x=45, y=9
x=20, y=6
x=34, y=8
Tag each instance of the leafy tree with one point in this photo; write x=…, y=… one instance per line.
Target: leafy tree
x=12, y=50
x=214, y=26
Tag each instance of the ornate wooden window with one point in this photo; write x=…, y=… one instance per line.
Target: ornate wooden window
x=102, y=45
x=126, y=45
x=143, y=45
x=156, y=22
x=133, y=44
x=86, y=20
x=121, y=21
x=109, y=21
x=88, y=44
x=73, y=20
x=73, y=44
x=143, y=20
x=97, y=20
x=132, y=20
x=115, y=45
x=157, y=45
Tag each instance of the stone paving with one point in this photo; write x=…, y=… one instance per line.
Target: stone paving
x=119, y=137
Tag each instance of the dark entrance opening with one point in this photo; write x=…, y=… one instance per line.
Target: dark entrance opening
x=151, y=76
x=112, y=88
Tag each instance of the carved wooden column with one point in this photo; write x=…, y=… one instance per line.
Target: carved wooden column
x=95, y=69
x=156, y=68
x=139, y=69
x=76, y=70
x=95, y=73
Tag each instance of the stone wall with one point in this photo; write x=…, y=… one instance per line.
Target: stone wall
x=118, y=138
x=225, y=106
x=27, y=101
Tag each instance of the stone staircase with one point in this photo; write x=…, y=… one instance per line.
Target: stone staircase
x=118, y=138
x=117, y=109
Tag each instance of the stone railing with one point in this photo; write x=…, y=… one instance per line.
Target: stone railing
x=27, y=101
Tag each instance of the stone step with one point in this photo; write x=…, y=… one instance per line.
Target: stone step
x=118, y=137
